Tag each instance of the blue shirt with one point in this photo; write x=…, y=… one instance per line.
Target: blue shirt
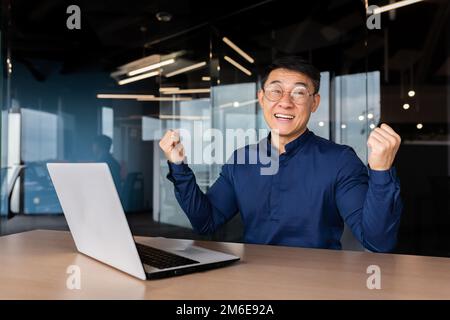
x=319, y=186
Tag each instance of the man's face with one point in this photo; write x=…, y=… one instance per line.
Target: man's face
x=287, y=116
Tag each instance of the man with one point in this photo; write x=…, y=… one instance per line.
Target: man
x=319, y=185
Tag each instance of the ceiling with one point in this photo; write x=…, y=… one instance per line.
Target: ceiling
x=330, y=33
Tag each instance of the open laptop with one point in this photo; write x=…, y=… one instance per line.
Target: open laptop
x=100, y=229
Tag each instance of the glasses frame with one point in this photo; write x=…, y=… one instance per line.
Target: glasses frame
x=288, y=92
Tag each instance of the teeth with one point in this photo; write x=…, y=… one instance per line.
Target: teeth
x=284, y=116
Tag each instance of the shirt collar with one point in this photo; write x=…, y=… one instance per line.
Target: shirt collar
x=295, y=144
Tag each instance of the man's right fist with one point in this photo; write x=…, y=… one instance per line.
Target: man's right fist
x=172, y=147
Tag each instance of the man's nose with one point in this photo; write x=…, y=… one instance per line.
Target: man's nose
x=286, y=101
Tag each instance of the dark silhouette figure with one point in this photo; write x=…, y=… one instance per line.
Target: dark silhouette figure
x=101, y=148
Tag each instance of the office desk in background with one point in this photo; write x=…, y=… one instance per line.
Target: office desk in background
x=33, y=266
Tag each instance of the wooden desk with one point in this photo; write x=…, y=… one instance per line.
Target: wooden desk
x=33, y=266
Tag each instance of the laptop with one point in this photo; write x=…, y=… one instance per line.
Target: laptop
x=100, y=230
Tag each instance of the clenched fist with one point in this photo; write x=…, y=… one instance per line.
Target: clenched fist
x=172, y=147
x=383, y=143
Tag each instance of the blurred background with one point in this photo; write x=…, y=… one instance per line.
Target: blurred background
x=107, y=91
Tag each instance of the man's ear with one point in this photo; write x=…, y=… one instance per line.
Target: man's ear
x=316, y=102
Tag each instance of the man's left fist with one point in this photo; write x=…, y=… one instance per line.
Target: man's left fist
x=383, y=143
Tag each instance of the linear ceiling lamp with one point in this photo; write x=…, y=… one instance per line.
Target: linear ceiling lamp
x=139, y=97
x=238, y=50
x=165, y=99
x=186, y=69
x=238, y=66
x=187, y=91
x=139, y=77
x=123, y=96
x=165, y=89
x=394, y=5
x=151, y=67
x=151, y=62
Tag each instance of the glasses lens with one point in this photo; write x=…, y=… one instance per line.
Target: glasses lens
x=299, y=94
x=273, y=92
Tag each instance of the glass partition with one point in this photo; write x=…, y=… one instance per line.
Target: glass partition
x=107, y=93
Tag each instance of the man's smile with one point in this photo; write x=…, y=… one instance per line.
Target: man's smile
x=284, y=116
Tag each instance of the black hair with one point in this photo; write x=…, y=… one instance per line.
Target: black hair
x=297, y=64
x=103, y=142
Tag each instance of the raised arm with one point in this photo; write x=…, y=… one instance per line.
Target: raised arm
x=206, y=212
x=368, y=199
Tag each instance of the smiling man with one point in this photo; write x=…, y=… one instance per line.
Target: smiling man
x=319, y=185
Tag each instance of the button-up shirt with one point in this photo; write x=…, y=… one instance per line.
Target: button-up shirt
x=319, y=186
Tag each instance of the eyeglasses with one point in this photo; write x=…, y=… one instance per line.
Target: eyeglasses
x=299, y=95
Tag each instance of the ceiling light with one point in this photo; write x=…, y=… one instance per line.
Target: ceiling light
x=186, y=91
x=343, y=126
x=165, y=99
x=361, y=118
x=123, y=96
x=185, y=69
x=237, y=65
x=139, y=77
x=164, y=16
x=321, y=124
x=393, y=6
x=151, y=67
x=406, y=106
x=419, y=126
x=370, y=116
x=372, y=126
x=140, y=97
x=411, y=93
x=165, y=89
x=238, y=50
x=206, y=78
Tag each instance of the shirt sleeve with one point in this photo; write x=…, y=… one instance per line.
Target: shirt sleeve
x=209, y=211
x=369, y=202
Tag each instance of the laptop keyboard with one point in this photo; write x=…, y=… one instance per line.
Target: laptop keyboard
x=161, y=259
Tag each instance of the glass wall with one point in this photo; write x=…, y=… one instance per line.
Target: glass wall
x=414, y=87
x=134, y=70
x=3, y=126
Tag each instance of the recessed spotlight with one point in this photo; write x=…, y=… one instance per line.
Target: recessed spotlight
x=370, y=116
x=419, y=126
x=361, y=118
x=411, y=93
x=406, y=106
x=164, y=16
x=372, y=126
x=321, y=124
x=343, y=126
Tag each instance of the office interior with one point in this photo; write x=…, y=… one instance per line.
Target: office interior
x=62, y=88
